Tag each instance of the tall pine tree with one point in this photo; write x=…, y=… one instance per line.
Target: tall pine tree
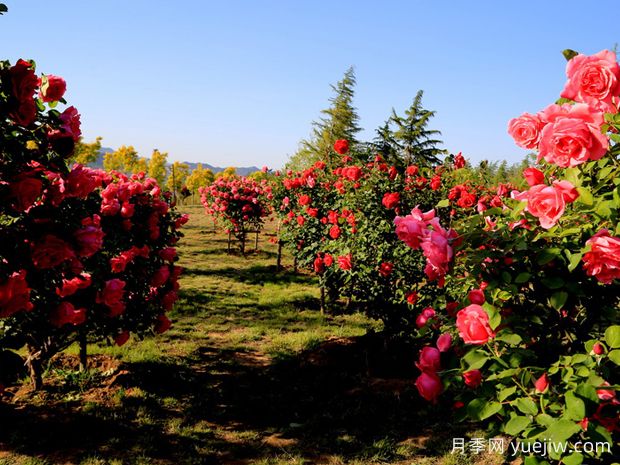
x=414, y=141
x=340, y=121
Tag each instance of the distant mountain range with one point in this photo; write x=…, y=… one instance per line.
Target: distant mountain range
x=241, y=171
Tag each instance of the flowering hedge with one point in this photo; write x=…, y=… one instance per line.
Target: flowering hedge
x=241, y=204
x=85, y=254
x=529, y=340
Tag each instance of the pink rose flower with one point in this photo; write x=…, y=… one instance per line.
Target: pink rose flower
x=533, y=176
x=444, y=342
x=525, y=130
x=476, y=296
x=572, y=135
x=603, y=259
x=594, y=80
x=548, y=203
x=423, y=317
x=429, y=360
x=473, y=325
x=429, y=386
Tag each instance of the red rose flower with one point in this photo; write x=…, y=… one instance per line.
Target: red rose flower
x=334, y=232
x=341, y=146
x=50, y=252
x=390, y=200
x=472, y=378
x=66, y=313
x=162, y=324
x=14, y=295
x=344, y=262
x=52, y=88
x=476, y=296
x=161, y=276
x=112, y=296
x=385, y=269
x=542, y=383
x=121, y=338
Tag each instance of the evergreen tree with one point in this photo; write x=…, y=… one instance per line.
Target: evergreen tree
x=340, y=121
x=415, y=143
x=157, y=166
x=385, y=144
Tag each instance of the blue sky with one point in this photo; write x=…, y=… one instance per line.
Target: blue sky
x=239, y=82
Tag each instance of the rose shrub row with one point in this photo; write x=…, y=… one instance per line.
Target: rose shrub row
x=529, y=339
x=84, y=254
x=240, y=203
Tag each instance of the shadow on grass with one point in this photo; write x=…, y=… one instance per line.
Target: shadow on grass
x=328, y=400
x=256, y=274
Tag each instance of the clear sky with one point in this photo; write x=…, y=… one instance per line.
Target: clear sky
x=239, y=82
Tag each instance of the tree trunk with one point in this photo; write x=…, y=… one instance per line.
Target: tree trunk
x=256, y=242
x=322, y=300
x=229, y=235
x=279, y=260
x=35, y=370
x=83, y=352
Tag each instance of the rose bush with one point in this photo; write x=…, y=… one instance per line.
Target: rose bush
x=532, y=294
x=241, y=204
x=82, y=252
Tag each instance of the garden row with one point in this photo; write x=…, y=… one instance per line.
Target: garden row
x=85, y=255
x=510, y=292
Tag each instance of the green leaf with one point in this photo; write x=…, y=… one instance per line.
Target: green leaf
x=526, y=405
x=509, y=338
x=587, y=391
x=574, y=260
x=575, y=407
x=603, y=209
x=506, y=393
x=547, y=255
x=614, y=356
x=558, y=299
x=573, y=459
x=480, y=409
x=522, y=278
x=602, y=174
x=569, y=54
x=561, y=430
x=443, y=203
x=544, y=420
x=585, y=196
x=612, y=336
x=553, y=282
x=475, y=359
x=516, y=424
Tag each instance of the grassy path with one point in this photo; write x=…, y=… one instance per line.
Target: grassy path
x=250, y=373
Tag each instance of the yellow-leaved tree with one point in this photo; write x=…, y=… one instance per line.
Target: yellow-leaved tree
x=157, y=166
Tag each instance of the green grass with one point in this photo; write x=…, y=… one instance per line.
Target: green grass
x=245, y=375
